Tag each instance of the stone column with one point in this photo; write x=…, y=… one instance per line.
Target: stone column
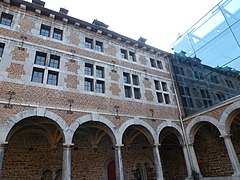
x=66, y=166
x=187, y=161
x=119, y=163
x=2, y=150
x=194, y=159
x=232, y=155
x=157, y=161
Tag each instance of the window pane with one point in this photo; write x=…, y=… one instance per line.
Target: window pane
x=57, y=34
x=159, y=65
x=132, y=56
x=37, y=75
x=54, y=61
x=157, y=85
x=128, y=92
x=123, y=54
x=167, y=99
x=40, y=58
x=135, y=80
x=126, y=78
x=99, y=46
x=153, y=62
x=164, y=86
x=52, y=78
x=159, y=97
x=6, y=19
x=2, y=45
x=100, y=87
x=137, y=93
x=88, y=85
x=100, y=72
x=89, y=69
x=45, y=30
x=88, y=43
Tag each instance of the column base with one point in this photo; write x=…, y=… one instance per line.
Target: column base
x=236, y=174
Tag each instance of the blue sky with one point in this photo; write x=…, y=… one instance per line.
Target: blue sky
x=159, y=21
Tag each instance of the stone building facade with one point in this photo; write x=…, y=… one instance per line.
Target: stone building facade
x=79, y=101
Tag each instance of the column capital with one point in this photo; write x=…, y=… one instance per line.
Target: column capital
x=3, y=144
x=156, y=145
x=225, y=135
x=119, y=145
x=68, y=145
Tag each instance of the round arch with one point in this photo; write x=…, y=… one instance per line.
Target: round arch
x=41, y=112
x=170, y=125
x=192, y=128
x=149, y=130
x=92, y=118
x=226, y=117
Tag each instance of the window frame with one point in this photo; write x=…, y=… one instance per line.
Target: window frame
x=6, y=19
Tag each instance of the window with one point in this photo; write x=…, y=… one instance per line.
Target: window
x=37, y=75
x=2, y=45
x=214, y=79
x=161, y=92
x=99, y=72
x=198, y=75
x=6, y=19
x=153, y=62
x=88, y=43
x=167, y=99
x=128, y=90
x=178, y=70
x=52, y=78
x=45, y=30
x=137, y=93
x=159, y=65
x=57, y=34
x=159, y=97
x=132, y=56
x=43, y=67
x=229, y=83
x=157, y=85
x=135, y=80
x=131, y=86
x=40, y=58
x=54, y=61
x=205, y=93
x=89, y=69
x=123, y=54
x=94, y=83
x=100, y=86
x=126, y=78
x=88, y=84
x=99, y=46
x=164, y=86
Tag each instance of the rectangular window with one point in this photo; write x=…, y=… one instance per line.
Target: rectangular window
x=99, y=46
x=159, y=97
x=52, y=78
x=2, y=45
x=135, y=80
x=157, y=85
x=54, y=61
x=128, y=92
x=37, y=75
x=40, y=58
x=153, y=62
x=45, y=30
x=88, y=84
x=214, y=79
x=229, y=83
x=6, y=19
x=123, y=54
x=132, y=56
x=57, y=34
x=99, y=72
x=167, y=98
x=159, y=65
x=126, y=78
x=164, y=86
x=137, y=93
x=88, y=43
x=88, y=69
x=100, y=86
x=187, y=91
